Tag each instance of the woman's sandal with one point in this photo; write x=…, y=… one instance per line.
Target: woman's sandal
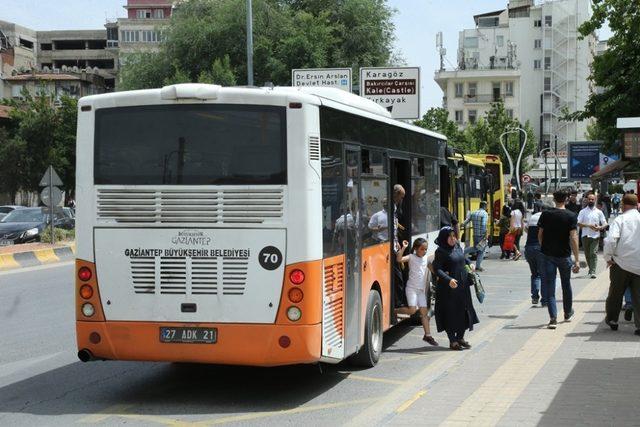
x=464, y=343
x=455, y=346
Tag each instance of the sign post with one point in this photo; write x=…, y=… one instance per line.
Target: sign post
x=51, y=196
x=339, y=78
x=396, y=89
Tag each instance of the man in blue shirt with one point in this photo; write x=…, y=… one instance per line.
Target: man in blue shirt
x=479, y=219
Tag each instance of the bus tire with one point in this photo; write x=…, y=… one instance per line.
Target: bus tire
x=369, y=353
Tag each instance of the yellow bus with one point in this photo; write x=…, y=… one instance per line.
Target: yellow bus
x=495, y=191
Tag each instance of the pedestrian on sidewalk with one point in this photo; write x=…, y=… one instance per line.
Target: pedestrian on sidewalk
x=591, y=221
x=535, y=258
x=622, y=252
x=503, y=223
x=479, y=219
x=558, y=237
x=517, y=224
x=454, y=307
x=416, y=286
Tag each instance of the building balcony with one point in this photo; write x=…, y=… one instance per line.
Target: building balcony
x=483, y=99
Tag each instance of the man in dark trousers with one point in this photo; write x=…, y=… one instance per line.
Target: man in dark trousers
x=558, y=237
x=398, y=281
x=622, y=253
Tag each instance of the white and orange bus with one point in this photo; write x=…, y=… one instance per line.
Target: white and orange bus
x=243, y=225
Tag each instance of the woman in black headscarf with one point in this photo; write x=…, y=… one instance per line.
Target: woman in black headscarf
x=454, y=308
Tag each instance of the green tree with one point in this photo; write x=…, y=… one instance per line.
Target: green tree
x=484, y=136
x=437, y=120
x=40, y=134
x=617, y=70
x=207, y=38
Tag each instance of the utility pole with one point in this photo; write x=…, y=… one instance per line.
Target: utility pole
x=555, y=150
x=249, y=44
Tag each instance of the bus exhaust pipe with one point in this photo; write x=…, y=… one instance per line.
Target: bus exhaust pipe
x=85, y=355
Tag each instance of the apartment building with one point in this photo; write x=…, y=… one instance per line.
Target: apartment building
x=141, y=30
x=17, y=52
x=529, y=56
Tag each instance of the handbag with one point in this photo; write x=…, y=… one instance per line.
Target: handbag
x=509, y=243
x=477, y=284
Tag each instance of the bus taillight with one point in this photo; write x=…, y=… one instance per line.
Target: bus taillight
x=84, y=274
x=296, y=277
x=295, y=295
x=86, y=291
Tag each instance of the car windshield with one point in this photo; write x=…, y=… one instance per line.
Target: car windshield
x=24, y=215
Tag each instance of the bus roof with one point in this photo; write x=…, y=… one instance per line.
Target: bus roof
x=469, y=158
x=282, y=95
x=486, y=158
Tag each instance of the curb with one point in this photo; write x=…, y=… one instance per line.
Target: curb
x=37, y=257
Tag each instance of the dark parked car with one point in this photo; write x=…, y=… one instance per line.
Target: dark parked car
x=26, y=225
x=4, y=210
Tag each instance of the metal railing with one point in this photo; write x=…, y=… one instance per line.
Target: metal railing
x=483, y=99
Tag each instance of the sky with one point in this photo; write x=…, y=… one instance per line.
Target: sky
x=417, y=22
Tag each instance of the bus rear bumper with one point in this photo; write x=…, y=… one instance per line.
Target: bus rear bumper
x=237, y=344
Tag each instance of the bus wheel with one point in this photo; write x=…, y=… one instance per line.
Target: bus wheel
x=369, y=354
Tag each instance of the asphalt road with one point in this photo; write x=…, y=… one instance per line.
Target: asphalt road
x=43, y=383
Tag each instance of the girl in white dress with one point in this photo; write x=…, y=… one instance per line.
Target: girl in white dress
x=417, y=283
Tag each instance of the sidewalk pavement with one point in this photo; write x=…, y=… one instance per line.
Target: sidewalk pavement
x=582, y=373
x=33, y=254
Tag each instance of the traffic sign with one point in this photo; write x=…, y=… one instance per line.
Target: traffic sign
x=51, y=198
x=50, y=177
x=396, y=89
x=526, y=178
x=339, y=78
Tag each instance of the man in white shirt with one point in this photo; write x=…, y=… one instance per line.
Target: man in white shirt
x=379, y=224
x=622, y=253
x=591, y=220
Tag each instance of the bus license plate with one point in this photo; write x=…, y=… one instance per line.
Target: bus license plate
x=189, y=335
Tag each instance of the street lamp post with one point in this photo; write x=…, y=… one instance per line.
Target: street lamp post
x=517, y=170
x=249, y=44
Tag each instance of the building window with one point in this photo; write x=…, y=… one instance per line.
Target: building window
x=548, y=21
x=470, y=42
x=16, y=91
x=537, y=64
x=459, y=116
x=130, y=36
x=472, y=90
x=537, y=23
x=500, y=41
x=508, y=88
x=459, y=90
x=149, y=36
x=143, y=14
x=495, y=91
x=473, y=115
x=547, y=62
x=510, y=113
x=547, y=83
x=537, y=44
x=158, y=13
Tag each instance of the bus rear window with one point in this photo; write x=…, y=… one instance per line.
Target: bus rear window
x=190, y=145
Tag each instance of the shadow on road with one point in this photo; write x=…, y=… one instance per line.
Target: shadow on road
x=190, y=389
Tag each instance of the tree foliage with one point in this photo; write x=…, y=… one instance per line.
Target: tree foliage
x=39, y=134
x=206, y=41
x=617, y=70
x=484, y=135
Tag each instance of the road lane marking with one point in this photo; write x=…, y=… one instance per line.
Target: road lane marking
x=373, y=379
x=121, y=412
x=411, y=401
x=388, y=405
x=491, y=401
x=111, y=411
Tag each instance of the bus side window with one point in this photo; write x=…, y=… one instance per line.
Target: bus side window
x=333, y=209
x=375, y=206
